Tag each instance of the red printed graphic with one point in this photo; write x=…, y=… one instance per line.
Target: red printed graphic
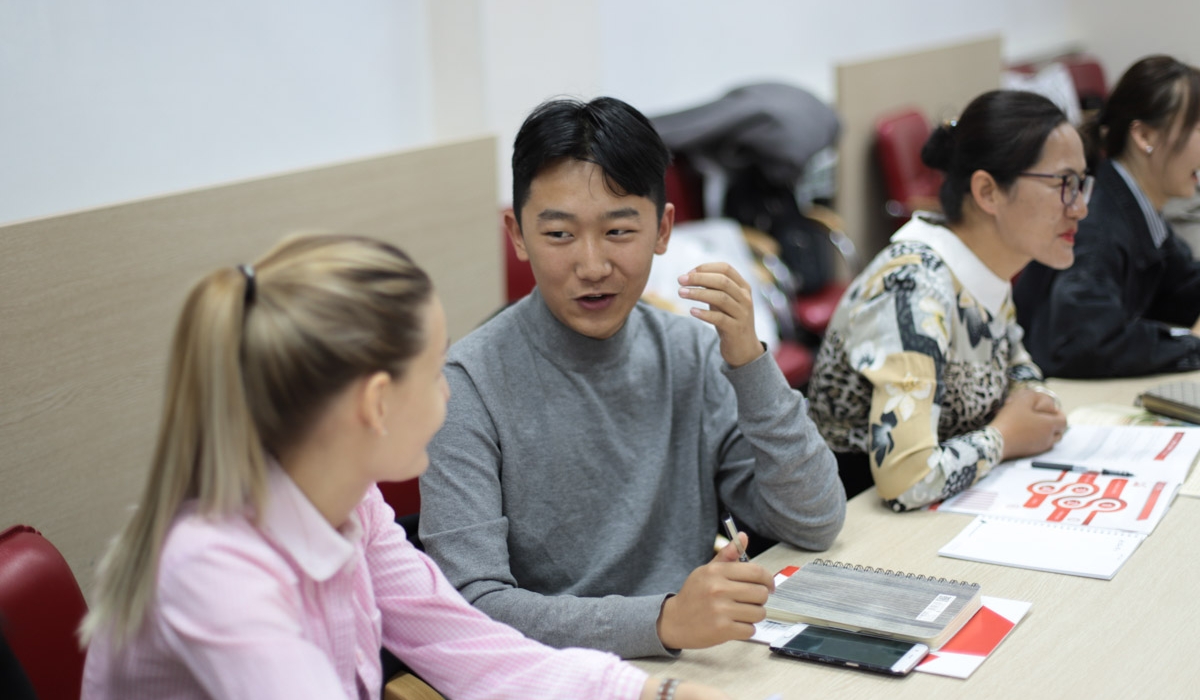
x=1170, y=447
x=1155, y=492
x=1042, y=489
x=1082, y=497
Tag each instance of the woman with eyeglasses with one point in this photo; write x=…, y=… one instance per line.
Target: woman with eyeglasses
x=922, y=384
x=1130, y=303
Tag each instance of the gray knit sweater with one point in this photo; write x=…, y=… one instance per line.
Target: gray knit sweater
x=577, y=482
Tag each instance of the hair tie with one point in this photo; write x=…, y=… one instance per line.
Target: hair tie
x=248, y=271
x=950, y=124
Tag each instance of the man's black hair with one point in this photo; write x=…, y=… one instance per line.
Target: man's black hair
x=606, y=131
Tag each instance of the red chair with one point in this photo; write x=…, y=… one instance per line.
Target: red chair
x=814, y=311
x=403, y=496
x=1088, y=76
x=41, y=606
x=909, y=184
x=685, y=189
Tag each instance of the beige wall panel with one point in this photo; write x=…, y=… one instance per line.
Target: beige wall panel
x=939, y=81
x=88, y=303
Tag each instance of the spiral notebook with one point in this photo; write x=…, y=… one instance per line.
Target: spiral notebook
x=1059, y=548
x=876, y=601
x=1176, y=399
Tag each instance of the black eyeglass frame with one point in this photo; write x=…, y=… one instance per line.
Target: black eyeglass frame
x=1085, y=184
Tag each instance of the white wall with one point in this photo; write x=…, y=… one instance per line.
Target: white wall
x=663, y=55
x=1119, y=33
x=107, y=100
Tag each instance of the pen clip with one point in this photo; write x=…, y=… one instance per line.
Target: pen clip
x=732, y=532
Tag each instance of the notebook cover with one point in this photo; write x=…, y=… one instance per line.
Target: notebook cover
x=1177, y=399
x=892, y=604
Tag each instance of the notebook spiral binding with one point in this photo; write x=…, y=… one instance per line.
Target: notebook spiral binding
x=889, y=572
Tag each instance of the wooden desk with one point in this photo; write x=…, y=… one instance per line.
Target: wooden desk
x=1135, y=636
x=1087, y=392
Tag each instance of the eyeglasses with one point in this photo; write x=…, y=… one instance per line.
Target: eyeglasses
x=1073, y=185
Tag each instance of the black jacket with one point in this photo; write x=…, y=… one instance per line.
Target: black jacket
x=1108, y=314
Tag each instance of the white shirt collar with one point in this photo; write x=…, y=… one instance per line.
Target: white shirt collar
x=1154, y=219
x=977, y=278
x=295, y=524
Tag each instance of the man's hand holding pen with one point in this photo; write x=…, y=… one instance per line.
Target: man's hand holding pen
x=718, y=602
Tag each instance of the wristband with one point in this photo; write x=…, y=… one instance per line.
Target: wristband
x=666, y=689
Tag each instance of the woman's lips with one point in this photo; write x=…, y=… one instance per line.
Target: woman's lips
x=1068, y=236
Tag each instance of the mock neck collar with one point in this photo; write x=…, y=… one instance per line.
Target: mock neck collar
x=296, y=526
x=986, y=286
x=569, y=349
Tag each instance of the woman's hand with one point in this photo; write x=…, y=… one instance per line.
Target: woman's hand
x=1030, y=422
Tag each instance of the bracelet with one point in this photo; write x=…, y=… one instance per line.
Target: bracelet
x=1045, y=390
x=666, y=689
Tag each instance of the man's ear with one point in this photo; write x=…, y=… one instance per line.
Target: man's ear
x=665, y=224
x=513, y=228
x=985, y=191
x=372, y=402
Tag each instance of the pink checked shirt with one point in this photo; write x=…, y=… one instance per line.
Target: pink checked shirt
x=295, y=609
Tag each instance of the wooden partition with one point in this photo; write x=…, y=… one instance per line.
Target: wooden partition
x=88, y=302
x=939, y=81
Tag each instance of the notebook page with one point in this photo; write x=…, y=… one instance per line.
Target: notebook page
x=1053, y=547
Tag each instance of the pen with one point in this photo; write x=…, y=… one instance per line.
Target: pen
x=1078, y=468
x=731, y=531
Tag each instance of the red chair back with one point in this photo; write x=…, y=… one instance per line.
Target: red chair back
x=1088, y=76
x=900, y=136
x=685, y=189
x=403, y=496
x=41, y=606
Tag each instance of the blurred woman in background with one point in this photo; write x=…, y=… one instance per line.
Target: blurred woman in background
x=1129, y=304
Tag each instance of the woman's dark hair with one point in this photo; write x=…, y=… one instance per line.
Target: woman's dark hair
x=607, y=132
x=1154, y=91
x=1001, y=132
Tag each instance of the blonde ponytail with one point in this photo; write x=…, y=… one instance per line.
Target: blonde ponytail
x=256, y=354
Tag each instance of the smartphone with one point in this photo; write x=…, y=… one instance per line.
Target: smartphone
x=893, y=657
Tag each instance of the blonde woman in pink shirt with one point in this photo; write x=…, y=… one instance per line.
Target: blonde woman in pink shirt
x=262, y=561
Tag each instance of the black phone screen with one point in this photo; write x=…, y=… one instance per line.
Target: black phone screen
x=848, y=646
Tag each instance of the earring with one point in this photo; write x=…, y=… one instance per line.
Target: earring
x=381, y=431
x=1149, y=150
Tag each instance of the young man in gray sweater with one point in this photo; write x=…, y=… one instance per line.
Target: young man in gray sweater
x=591, y=440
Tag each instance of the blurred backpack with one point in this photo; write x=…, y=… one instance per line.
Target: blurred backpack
x=805, y=248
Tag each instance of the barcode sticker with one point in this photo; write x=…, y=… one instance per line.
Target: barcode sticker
x=939, y=604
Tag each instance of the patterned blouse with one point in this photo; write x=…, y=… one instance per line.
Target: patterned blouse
x=918, y=358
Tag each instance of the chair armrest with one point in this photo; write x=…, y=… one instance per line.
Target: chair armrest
x=406, y=686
